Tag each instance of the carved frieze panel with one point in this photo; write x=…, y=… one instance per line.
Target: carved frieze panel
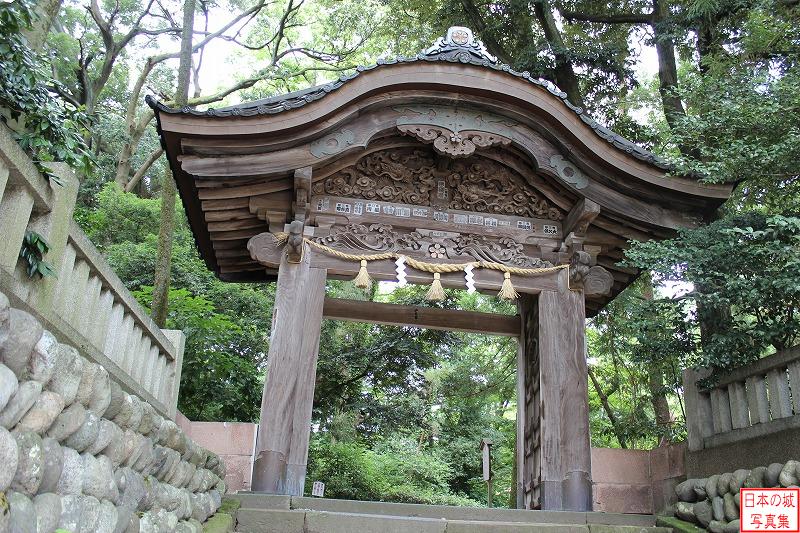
x=475, y=184
x=431, y=244
x=453, y=131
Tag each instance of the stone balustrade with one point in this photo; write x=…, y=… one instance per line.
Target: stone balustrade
x=80, y=454
x=751, y=402
x=85, y=305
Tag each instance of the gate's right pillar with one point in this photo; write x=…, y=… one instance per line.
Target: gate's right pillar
x=555, y=454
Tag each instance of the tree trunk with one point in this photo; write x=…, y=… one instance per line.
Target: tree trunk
x=655, y=378
x=607, y=408
x=565, y=76
x=667, y=66
x=160, y=304
x=46, y=12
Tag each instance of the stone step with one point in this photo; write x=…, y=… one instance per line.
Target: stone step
x=259, y=510
x=310, y=521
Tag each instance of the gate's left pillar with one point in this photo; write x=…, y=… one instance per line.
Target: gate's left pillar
x=281, y=452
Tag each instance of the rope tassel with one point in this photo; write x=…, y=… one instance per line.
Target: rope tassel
x=362, y=280
x=507, y=291
x=436, y=292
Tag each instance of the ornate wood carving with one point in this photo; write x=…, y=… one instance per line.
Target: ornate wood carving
x=411, y=176
x=430, y=244
x=455, y=132
x=594, y=280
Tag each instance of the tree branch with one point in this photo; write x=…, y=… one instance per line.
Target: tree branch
x=619, y=18
x=143, y=169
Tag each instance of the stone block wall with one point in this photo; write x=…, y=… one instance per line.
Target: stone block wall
x=80, y=454
x=713, y=502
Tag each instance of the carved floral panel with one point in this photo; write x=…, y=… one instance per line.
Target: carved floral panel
x=412, y=176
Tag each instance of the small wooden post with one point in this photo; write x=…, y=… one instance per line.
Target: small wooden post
x=281, y=453
x=486, y=455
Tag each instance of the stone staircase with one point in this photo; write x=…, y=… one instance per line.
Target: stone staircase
x=265, y=513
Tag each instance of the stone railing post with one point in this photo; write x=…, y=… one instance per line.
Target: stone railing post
x=54, y=227
x=172, y=385
x=699, y=419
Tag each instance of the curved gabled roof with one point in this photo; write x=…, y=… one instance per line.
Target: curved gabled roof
x=471, y=52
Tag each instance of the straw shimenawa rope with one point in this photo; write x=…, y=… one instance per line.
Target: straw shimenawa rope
x=435, y=293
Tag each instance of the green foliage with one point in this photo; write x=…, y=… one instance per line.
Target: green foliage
x=45, y=126
x=33, y=250
x=747, y=267
x=397, y=470
x=220, y=377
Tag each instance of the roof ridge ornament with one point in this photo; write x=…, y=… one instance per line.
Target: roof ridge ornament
x=459, y=44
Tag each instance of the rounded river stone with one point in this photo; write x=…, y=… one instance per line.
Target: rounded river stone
x=48, y=510
x=23, y=515
x=738, y=479
x=731, y=511
x=67, y=375
x=19, y=404
x=90, y=514
x=43, y=359
x=9, y=457
x=68, y=422
x=86, y=384
x=702, y=510
x=718, y=506
x=71, y=480
x=756, y=477
x=116, y=447
x=86, y=434
x=130, y=413
x=715, y=526
x=732, y=527
x=41, y=416
x=98, y=477
x=131, y=488
x=101, y=392
x=105, y=433
x=685, y=491
x=146, y=457
x=30, y=463
x=107, y=520
x=53, y=464
x=116, y=401
x=788, y=475
x=724, y=483
x=711, y=486
x=24, y=332
x=123, y=520
x=71, y=511
x=772, y=474
x=8, y=385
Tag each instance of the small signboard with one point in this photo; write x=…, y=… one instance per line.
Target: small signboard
x=486, y=446
x=318, y=489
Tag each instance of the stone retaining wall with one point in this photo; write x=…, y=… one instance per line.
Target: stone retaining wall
x=713, y=502
x=80, y=454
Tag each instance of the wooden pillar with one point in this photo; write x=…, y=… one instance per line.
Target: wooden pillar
x=281, y=452
x=553, y=394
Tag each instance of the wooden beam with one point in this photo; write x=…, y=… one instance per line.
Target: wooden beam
x=422, y=317
x=579, y=218
x=264, y=250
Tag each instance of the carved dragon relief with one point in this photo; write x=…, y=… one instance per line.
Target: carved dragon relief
x=438, y=245
x=454, y=132
x=412, y=176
